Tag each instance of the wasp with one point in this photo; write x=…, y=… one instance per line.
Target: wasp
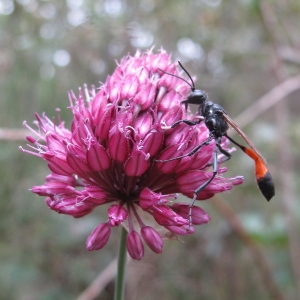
x=217, y=121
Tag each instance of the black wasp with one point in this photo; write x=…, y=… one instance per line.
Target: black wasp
x=217, y=121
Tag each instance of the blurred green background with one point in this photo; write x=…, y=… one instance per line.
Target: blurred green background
x=239, y=51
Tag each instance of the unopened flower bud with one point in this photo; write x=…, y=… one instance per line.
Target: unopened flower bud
x=99, y=237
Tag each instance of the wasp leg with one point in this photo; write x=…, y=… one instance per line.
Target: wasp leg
x=215, y=164
x=189, y=122
x=193, y=151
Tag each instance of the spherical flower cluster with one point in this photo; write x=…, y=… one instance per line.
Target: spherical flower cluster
x=109, y=156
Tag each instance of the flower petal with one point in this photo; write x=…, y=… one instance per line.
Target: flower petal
x=165, y=216
x=137, y=163
x=199, y=216
x=117, y=214
x=99, y=237
x=97, y=157
x=135, y=245
x=152, y=239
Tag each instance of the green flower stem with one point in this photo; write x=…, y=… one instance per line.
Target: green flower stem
x=120, y=280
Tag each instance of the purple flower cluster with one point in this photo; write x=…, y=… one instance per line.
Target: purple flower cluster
x=108, y=156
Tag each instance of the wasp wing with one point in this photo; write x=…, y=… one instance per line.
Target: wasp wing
x=243, y=135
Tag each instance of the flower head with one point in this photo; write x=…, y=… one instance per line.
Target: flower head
x=109, y=155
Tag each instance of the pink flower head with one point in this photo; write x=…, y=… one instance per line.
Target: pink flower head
x=110, y=153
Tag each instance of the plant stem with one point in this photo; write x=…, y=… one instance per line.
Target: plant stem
x=120, y=280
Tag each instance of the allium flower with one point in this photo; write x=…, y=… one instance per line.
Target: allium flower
x=109, y=156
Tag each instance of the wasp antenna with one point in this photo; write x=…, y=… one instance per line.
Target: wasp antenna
x=192, y=86
x=187, y=73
